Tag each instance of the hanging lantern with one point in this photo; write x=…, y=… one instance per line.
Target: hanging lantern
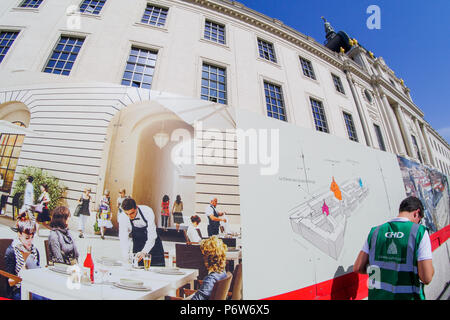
x=161, y=139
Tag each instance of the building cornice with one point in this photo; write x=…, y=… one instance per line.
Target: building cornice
x=354, y=68
x=387, y=88
x=430, y=129
x=276, y=27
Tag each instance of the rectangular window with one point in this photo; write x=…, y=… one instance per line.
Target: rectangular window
x=140, y=68
x=266, y=50
x=155, y=16
x=274, y=101
x=64, y=55
x=338, y=84
x=6, y=40
x=351, y=130
x=214, y=32
x=320, y=119
x=214, y=84
x=379, y=137
x=307, y=68
x=92, y=6
x=30, y=4
x=392, y=82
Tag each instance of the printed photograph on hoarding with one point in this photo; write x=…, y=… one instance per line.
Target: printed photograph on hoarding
x=432, y=188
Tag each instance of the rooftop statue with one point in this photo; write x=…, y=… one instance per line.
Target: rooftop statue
x=328, y=28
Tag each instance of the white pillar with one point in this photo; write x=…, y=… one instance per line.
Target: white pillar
x=388, y=124
x=395, y=127
x=427, y=143
x=404, y=130
x=360, y=109
x=422, y=146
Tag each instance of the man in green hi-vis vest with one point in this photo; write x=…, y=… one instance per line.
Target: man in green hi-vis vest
x=397, y=256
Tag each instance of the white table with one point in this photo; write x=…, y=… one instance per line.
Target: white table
x=54, y=286
x=234, y=255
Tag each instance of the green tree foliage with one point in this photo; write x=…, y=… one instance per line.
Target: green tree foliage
x=56, y=189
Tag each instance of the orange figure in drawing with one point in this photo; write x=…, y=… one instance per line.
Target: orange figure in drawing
x=335, y=189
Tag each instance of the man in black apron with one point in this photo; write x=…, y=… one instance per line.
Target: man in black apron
x=139, y=233
x=213, y=218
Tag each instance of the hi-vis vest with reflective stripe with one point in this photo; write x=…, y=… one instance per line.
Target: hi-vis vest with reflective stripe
x=393, y=270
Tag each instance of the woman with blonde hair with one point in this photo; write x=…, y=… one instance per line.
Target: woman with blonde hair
x=214, y=255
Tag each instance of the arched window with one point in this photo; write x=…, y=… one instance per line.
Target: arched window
x=10, y=146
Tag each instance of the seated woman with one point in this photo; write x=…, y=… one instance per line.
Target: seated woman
x=214, y=255
x=22, y=254
x=61, y=244
x=192, y=233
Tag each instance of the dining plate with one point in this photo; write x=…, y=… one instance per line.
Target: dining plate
x=109, y=262
x=170, y=271
x=59, y=270
x=131, y=282
x=134, y=288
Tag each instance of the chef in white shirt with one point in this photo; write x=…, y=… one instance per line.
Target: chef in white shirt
x=138, y=223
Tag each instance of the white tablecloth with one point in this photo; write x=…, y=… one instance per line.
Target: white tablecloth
x=53, y=285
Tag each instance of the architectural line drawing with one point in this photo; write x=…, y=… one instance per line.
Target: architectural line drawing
x=322, y=219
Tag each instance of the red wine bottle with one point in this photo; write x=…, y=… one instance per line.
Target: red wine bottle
x=89, y=263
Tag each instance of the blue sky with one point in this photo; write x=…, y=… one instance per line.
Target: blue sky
x=414, y=40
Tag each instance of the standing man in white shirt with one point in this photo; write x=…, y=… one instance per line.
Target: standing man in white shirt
x=28, y=198
x=138, y=223
x=213, y=218
x=397, y=255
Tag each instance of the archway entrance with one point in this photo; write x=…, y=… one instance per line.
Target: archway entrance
x=11, y=144
x=134, y=161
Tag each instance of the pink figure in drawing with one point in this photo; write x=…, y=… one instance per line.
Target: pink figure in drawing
x=325, y=209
